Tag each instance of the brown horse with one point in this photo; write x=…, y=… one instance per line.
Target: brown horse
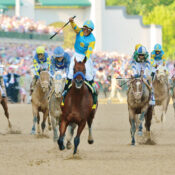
x=40, y=101
x=77, y=108
x=3, y=102
x=138, y=98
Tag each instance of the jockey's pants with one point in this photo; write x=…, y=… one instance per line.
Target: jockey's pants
x=89, y=67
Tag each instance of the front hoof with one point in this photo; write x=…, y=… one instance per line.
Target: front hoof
x=32, y=132
x=133, y=142
x=60, y=144
x=68, y=145
x=90, y=141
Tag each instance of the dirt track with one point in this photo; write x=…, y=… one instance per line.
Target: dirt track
x=23, y=154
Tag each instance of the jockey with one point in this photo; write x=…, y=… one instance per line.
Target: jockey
x=84, y=45
x=59, y=61
x=141, y=63
x=41, y=61
x=157, y=58
x=3, y=90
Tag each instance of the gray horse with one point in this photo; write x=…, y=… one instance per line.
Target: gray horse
x=161, y=90
x=138, y=97
x=58, y=84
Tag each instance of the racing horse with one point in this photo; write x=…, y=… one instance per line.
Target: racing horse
x=77, y=108
x=40, y=101
x=58, y=84
x=161, y=90
x=138, y=97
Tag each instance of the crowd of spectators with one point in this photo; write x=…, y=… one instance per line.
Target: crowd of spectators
x=18, y=58
x=24, y=24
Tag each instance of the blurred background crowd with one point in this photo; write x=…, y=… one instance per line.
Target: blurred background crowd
x=24, y=24
x=18, y=60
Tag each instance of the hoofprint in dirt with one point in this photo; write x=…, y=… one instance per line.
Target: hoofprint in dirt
x=111, y=153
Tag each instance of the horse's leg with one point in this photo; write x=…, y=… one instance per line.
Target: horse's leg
x=35, y=116
x=54, y=123
x=49, y=123
x=5, y=107
x=90, y=137
x=164, y=106
x=71, y=128
x=77, y=138
x=60, y=141
x=148, y=119
x=38, y=121
x=173, y=98
x=45, y=115
x=142, y=115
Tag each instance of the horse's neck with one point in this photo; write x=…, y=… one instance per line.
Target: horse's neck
x=38, y=90
x=159, y=86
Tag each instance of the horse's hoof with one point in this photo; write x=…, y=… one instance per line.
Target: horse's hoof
x=68, y=145
x=90, y=141
x=133, y=142
x=60, y=144
x=140, y=133
x=33, y=132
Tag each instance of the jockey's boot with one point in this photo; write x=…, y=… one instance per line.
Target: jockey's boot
x=66, y=89
x=33, y=84
x=3, y=87
x=94, y=92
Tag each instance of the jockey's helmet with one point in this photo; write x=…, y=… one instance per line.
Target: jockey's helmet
x=142, y=53
x=58, y=52
x=40, y=50
x=157, y=47
x=89, y=24
x=142, y=50
x=137, y=46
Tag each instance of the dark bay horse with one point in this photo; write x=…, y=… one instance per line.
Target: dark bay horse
x=78, y=107
x=138, y=98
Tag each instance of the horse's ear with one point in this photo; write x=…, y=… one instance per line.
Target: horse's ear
x=75, y=60
x=85, y=59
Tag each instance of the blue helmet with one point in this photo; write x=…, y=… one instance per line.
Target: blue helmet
x=157, y=47
x=89, y=24
x=58, y=52
x=142, y=50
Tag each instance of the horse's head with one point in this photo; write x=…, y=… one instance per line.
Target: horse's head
x=79, y=73
x=137, y=88
x=44, y=80
x=161, y=74
x=59, y=83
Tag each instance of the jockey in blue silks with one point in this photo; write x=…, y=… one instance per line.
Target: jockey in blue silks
x=41, y=61
x=141, y=63
x=84, y=46
x=59, y=61
x=157, y=58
